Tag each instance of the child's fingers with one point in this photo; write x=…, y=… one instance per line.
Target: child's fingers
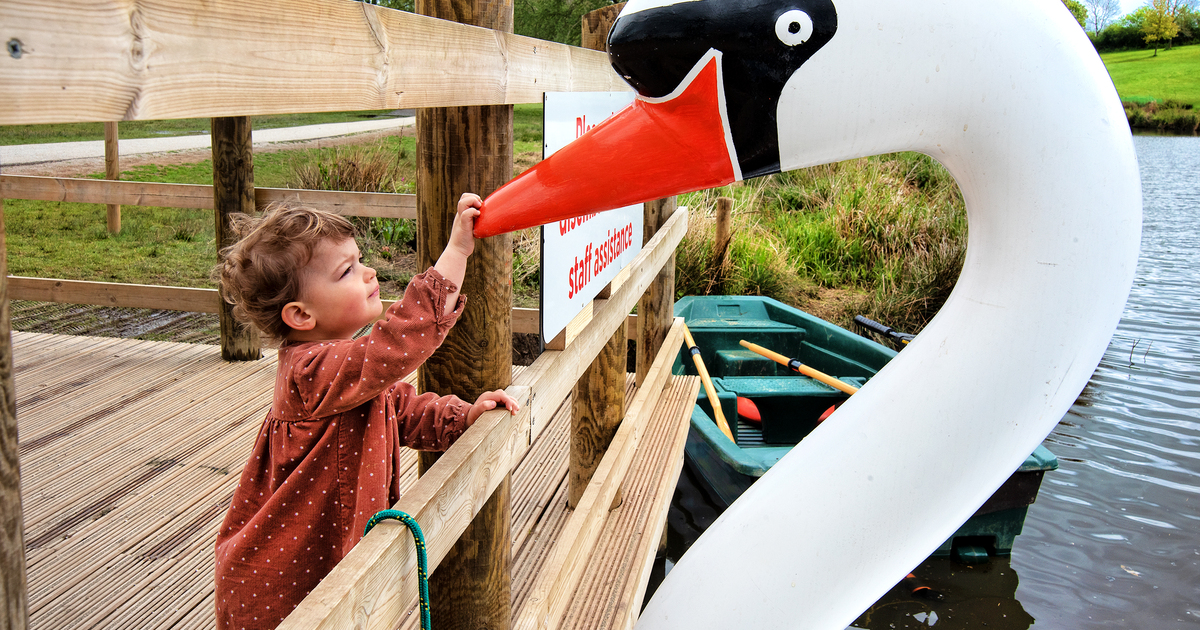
x=469, y=200
x=500, y=396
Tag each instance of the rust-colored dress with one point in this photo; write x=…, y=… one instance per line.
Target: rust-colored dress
x=327, y=457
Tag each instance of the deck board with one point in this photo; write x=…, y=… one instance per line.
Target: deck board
x=131, y=450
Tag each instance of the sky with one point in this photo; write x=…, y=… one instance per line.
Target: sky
x=1128, y=6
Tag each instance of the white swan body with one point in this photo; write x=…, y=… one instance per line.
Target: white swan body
x=1007, y=94
x=1012, y=99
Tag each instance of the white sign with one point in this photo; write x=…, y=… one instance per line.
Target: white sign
x=581, y=255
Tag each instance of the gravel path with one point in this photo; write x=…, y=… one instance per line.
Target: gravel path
x=29, y=154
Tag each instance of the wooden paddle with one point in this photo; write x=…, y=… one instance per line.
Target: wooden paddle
x=799, y=367
x=709, y=390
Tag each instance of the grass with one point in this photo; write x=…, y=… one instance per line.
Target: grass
x=1173, y=74
x=881, y=236
x=165, y=246
x=75, y=132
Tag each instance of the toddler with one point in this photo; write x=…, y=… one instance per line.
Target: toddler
x=329, y=453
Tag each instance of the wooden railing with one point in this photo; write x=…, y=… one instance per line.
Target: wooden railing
x=104, y=60
x=198, y=300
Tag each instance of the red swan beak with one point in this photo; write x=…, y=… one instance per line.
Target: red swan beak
x=652, y=149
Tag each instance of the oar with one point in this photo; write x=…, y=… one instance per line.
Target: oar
x=886, y=331
x=795, y=364
x=709, y=390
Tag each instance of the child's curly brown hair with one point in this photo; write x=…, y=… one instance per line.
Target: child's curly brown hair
x=261, y=272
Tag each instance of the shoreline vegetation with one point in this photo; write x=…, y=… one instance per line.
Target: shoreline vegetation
x=1166, y=116
x=1159, y=93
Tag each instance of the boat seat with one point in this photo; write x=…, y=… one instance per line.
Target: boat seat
x=789, y=405
x=792, y=385
x=744, y=363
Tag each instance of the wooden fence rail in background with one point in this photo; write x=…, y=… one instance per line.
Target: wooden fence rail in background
x=200, y=196
x=159, y=59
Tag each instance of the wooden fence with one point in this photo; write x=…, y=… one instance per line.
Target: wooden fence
x=105, y=60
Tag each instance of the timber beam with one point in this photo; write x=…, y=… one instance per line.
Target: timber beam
x=106, y=60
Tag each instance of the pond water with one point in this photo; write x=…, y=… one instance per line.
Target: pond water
x=1113, y=540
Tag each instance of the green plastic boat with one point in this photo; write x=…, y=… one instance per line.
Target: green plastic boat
x=791, y=404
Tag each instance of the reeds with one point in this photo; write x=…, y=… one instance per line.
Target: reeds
x=1167, y=115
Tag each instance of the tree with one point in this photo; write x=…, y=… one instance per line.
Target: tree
x=1160, y=23
x=1101, y=12
x=1078, y=11
x=403, y=5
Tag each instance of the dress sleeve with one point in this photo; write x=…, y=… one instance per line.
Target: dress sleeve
x=334, y=377
x=427, y=422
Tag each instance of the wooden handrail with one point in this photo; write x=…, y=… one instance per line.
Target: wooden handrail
x=200, y=196
x=374, y=584
x=560, y=574
x=161, y=59
x=524, y=320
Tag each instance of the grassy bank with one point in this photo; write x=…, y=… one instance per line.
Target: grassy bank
x=880, y=236
x=1160, y=93
x=1173, y=74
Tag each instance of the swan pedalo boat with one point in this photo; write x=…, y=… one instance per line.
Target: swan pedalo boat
x=1009, y=96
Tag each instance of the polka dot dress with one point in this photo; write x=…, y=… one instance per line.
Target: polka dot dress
x=327, y=457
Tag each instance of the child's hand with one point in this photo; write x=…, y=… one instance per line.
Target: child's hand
x=462, y=237
x=489, y=401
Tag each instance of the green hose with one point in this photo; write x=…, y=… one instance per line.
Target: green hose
x=422, y=562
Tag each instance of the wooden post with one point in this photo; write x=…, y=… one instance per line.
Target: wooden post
x=469, y=149
x=112, y=170
x=721, y=242
x=13, y=587
x=598, y=399
x=656, y=307
x=596, y=25
x=233, y=192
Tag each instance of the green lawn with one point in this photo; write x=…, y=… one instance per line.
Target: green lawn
x=164, y=246
x=1173, y=74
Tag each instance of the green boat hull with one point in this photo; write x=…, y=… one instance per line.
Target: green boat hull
x=791, y=404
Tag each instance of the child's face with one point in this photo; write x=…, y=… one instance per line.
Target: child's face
x=339, y=291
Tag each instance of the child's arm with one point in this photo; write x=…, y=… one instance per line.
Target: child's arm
x=430, y=422
x=452, y=264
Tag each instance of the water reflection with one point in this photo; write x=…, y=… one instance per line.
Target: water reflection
x=1112, y=540
x=973, y=597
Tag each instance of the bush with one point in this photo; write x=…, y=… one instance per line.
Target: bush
x=1126, y=33
x=554, y=20
x=364, y=168
x=1168, y=115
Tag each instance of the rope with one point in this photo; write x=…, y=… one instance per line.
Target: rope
x=422, y=562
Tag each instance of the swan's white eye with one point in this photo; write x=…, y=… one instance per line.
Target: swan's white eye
x=793, y=27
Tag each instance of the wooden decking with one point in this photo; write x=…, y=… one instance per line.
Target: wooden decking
x=130, y=451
